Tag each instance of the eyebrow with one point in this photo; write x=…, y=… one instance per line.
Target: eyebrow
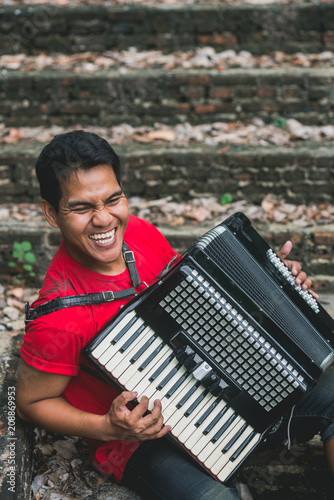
x=76, y=203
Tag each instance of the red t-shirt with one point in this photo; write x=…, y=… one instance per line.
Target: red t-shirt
x=53, y=343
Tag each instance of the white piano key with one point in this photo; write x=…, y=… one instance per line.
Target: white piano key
x=133, y=369
x=141, y=377
x=114, y=348
x=178, y=421
x=169, y=405
x=99, y=350
x=213, y=461
x=190, y=427
x=205, y=440
x=151, y=390
x=229, y=467
x=122, y=360
x=159, y=394
x=150, y=369
x=211, y=447
x=198, y=440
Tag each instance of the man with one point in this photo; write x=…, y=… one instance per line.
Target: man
x=82, y=195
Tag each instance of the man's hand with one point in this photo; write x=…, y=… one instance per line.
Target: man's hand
x=296, y=269
x=136, y=424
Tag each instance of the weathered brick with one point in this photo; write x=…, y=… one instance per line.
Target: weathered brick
x=324, y=238
x=222, y=40
x=201, y=109
x=220, y=93
x=194, y=92
x=266, y=92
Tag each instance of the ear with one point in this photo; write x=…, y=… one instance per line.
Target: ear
x=49, y=213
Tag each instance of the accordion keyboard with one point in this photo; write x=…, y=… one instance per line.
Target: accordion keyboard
x=204, y=424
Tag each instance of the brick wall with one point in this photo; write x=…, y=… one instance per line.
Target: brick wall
x=298, y=175
x=108, y=98
x=260, y=29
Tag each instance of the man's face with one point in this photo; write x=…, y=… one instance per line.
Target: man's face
x=92, y=217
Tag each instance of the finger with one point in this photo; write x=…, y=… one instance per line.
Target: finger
x=157, y=408
x=154, y=416
x=124, y=398
x=285, y=250
x=315, y=295
x=306, y=284
x=294, y=266
x=165, y=430
x=301, y=279
x=141, y=408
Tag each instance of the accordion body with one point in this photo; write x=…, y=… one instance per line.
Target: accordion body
x=225, y=339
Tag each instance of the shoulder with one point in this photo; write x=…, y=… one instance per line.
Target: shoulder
x=140, y=231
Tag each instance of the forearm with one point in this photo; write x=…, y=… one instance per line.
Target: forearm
x=57, y=415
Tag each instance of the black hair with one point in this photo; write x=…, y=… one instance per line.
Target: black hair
x=65, y=155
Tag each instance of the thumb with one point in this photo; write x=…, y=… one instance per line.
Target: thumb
x=285, y=250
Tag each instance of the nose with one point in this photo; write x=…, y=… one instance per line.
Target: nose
x=101, y=217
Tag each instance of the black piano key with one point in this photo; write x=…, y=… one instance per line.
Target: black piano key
x=215, y=421
x=161, y=368
x=151, y=357
x=223, y=428
x=123, y=331
x=176, y=385
x=206, y=413
x=196, y=403
x=143, y=348
x=187, y=396
x=133, y=337
x=168, y=377
x=241, y=448
x=233, y=440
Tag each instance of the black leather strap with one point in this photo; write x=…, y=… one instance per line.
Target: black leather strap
x=89, y=298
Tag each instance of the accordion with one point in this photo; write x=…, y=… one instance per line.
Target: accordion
x=225, y=339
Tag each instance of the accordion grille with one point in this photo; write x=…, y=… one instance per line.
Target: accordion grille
x=235, y=345
x=229, y=255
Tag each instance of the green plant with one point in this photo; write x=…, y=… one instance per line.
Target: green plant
x=226, y=199
x=24, y=260
x=279, y=122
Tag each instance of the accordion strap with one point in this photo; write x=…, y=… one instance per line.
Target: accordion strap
x=89, y=298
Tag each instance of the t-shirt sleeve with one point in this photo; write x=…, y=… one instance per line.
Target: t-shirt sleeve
x=50, y=349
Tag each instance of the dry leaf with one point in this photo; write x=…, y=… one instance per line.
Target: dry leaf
x=267, y=205
x=167, y=135
x=200, y=214
x=17, y=292
x=65, y=448
x=224, y=150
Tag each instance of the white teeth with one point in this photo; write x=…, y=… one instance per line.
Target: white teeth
x=103, y=238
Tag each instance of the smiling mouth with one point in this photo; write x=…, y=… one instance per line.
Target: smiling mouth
x=104, y=238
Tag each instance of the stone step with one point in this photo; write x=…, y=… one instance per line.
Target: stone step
x=107, y=97
x=305, y=27
x=313, y=246
x=300, y=174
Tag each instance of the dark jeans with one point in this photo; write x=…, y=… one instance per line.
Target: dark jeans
x=157, y=470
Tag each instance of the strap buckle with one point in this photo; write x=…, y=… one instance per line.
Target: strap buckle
x=129, y=258
x=108, y=296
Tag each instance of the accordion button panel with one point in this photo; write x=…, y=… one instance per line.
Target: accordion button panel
x=204, y=424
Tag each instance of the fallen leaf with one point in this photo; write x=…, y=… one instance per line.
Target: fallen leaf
x=17, y=292
x=167, y=135
x=200, y=214
x=65, y=448
x=224, y=150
